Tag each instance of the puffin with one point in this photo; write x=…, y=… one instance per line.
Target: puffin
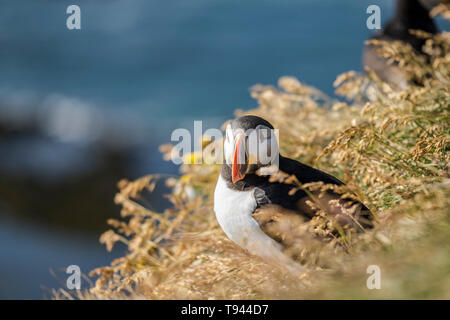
x=409, y=15
x=245, y=195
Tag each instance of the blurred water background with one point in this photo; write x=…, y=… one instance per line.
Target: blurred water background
x=80, y=110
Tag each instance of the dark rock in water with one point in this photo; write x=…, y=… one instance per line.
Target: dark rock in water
x=60, y=183
x=61, y=160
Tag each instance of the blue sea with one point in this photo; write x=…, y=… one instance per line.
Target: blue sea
x=145, y=68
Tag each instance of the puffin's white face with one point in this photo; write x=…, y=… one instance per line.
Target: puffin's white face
x=228, y=146
x=256, y=148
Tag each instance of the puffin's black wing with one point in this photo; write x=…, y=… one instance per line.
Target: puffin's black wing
x=270, y=195
x=305, y=173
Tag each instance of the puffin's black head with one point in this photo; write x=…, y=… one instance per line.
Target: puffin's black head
x=250, y=144
x=249, y=122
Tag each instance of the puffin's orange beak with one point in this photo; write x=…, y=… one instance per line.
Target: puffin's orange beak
x=239, y=160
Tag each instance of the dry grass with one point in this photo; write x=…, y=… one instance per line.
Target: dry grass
x=392, y=151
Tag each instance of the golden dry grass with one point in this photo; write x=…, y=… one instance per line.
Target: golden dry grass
x=390, y=147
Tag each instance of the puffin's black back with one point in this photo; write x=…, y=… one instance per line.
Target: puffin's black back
x=410, y=14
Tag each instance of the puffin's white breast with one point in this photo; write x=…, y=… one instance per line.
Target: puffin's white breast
x=234, y=210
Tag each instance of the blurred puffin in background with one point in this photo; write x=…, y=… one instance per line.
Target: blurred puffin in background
x=244, y=196
x=409, y=15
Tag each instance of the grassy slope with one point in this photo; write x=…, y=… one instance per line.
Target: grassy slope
x=393, y=154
